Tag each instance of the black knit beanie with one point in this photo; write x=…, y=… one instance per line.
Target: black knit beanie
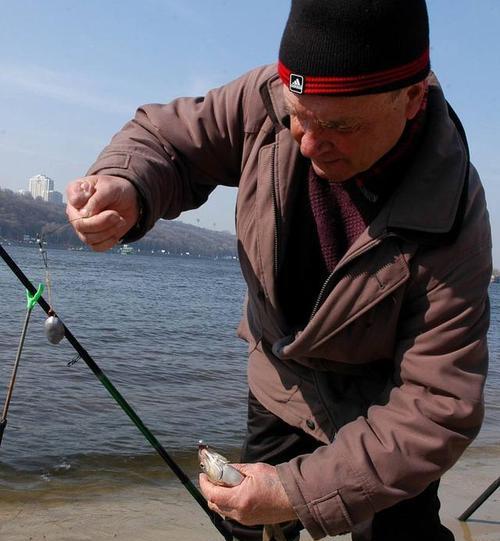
x=354, y=47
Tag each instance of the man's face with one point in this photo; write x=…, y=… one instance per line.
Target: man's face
x=343, y=136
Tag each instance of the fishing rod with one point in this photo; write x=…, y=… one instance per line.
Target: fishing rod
x=221, y=525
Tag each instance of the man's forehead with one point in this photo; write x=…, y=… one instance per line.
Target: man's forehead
x=326, y=107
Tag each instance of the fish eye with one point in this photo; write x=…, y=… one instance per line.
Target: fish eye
x=202, y=466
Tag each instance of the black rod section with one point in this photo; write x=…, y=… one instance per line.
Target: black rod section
x=479, y=501
x=216, y=519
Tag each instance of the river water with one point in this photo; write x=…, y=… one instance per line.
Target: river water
x=163, y=331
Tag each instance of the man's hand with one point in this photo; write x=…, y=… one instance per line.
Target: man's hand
x=259, y=499
x=101, y=209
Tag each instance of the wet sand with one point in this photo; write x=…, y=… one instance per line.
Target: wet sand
x=159, y=513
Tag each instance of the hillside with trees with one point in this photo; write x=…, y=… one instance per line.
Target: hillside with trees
x=23, y=218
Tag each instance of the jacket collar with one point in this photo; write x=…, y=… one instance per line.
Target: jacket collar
x=428, y=205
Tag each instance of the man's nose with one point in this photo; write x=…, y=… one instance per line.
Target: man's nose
x=312, y=141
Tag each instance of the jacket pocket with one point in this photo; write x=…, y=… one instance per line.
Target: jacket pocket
x=114, y=160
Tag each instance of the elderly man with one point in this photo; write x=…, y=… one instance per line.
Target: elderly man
x=364, y=240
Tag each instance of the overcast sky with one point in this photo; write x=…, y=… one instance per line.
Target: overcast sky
x=72, y=72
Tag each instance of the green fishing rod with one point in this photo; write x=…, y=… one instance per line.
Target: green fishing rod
x=221, y=525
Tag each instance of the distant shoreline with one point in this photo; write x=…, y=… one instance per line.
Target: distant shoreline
x=23, y=219
x=117, y=250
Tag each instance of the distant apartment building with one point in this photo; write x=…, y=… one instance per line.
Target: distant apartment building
x=55, y=197
x=40, y=186
x=43, y=187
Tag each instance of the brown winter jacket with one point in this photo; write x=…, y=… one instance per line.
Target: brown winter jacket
x=389, y=371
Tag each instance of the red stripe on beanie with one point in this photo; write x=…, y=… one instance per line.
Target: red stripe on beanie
x=357, y=83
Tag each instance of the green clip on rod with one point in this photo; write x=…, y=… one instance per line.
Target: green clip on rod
x=31, y=301
x=217, y=520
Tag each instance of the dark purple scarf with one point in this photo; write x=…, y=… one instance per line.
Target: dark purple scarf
x=343, y=210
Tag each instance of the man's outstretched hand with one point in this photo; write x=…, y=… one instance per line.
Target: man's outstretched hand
x=101, y=209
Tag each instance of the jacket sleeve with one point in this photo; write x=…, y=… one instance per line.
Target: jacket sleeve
x=176, y=154
x=434, y=408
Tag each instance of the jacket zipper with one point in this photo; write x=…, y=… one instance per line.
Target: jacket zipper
x=319, y=300
x=326, y=283
x=277, y=218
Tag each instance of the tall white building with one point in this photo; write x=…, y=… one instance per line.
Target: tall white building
x=40, y=186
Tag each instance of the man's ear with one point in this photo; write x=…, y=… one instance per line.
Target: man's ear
x=414, y=95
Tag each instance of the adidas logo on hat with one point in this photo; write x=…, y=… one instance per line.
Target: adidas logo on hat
x=296, y=83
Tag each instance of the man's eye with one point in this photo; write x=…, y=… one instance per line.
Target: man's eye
x=339, y=128
x=346, y=129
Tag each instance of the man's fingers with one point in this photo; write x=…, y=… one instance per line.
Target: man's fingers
x=99, y=223
x=100, y=242
x=213, y=492
x=221, y=499
x=105, y=244
x=80, y=191
x=207, y=487
x=101, y=236
x=91, y=195
x=221, y=495
x=98, y=201
x=100, y=232
x=73, y=214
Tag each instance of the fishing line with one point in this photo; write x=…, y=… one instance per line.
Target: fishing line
x=54, y=329
x=45, y=261
x=222, y=526
x=40, y=239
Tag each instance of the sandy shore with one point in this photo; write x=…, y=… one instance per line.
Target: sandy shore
x=169, y=513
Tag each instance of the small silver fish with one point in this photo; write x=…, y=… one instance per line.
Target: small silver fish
x=54, y=329
x=220, y=472
x=217, y=467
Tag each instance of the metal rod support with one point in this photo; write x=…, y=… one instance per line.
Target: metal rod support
x=479, y=501
x=16, y=365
